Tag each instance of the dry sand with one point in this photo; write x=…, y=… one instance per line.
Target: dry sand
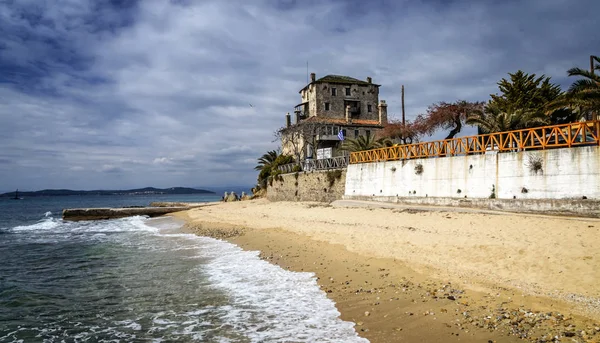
x=431, y=275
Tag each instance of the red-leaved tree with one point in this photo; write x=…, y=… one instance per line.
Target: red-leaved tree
x=406, y=134
x=446, y=116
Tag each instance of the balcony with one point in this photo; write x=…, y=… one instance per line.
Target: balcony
x=354, y=107
x=302, y=110
x=301, y=114
x=327, y=137
x=328, y=133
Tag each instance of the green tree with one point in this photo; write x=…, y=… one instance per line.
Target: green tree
x=281, y=160
x=268, y=163
x=266, y=160
x=265, y=166
x=522, y=103
x=524, y=92
x=583, y=97
x=496, y=120
x=366, y=142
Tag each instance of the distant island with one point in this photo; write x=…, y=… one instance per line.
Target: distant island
x=138, y=191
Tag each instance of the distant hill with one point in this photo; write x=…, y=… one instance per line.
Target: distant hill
x=138, y=191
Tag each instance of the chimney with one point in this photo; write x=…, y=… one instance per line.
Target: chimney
x=313, y=77
x=348, y=114
x=288, y=120
x=382, y=113
x=297, y=116
x=369, y=79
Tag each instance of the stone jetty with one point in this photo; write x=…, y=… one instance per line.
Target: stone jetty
x=76, y=214
x=154, y=210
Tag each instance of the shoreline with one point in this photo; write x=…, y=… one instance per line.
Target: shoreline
x=391, y=298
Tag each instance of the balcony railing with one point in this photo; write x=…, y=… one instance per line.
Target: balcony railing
x=327, y=137
x=325, y=163
x=547, y=137
x=287, y=168
x=322, y=164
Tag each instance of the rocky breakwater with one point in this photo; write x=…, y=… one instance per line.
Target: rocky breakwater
x=229, y=197
x=76, y=214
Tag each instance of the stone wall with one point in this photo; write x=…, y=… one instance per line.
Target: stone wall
x=322, y=186
x=317, y=94
x=366, y=94
x=308, y=95
x=568, y=173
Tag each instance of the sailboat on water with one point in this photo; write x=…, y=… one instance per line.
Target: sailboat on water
x=17, y=196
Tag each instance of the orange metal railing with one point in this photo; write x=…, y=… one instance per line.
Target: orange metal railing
x=546, y=137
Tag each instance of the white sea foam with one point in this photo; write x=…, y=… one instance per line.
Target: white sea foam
x=268, y=303
x=50, y=224
x=130, y=324
x=46, y=224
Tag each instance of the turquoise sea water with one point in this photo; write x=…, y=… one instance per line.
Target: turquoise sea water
x=142, y=280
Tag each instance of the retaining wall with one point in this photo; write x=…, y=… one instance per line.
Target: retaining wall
x=568, y=173
x=308, y=186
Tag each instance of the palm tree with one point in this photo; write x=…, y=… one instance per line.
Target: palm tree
x=265, y=166
x=586, y=91
x=385, y=142
x=495, y=120
x=583, y=96
x=367, y=142
x=266, y=160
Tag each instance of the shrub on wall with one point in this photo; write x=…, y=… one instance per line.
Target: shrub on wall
x=493, y=195
x=333, y=175
x=276, y=175
x=534, y=163
x=419, y=169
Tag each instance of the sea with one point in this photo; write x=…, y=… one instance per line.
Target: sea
x=138, y=279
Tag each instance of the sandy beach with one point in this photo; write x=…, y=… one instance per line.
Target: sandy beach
x=424, y=275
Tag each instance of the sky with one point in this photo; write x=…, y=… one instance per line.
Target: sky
x=109, y=94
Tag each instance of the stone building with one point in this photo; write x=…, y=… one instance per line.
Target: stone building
x=329, y=105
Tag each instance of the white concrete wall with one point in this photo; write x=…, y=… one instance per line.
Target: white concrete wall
x=566, y=173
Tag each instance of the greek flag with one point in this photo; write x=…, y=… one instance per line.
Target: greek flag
x=341, y=135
